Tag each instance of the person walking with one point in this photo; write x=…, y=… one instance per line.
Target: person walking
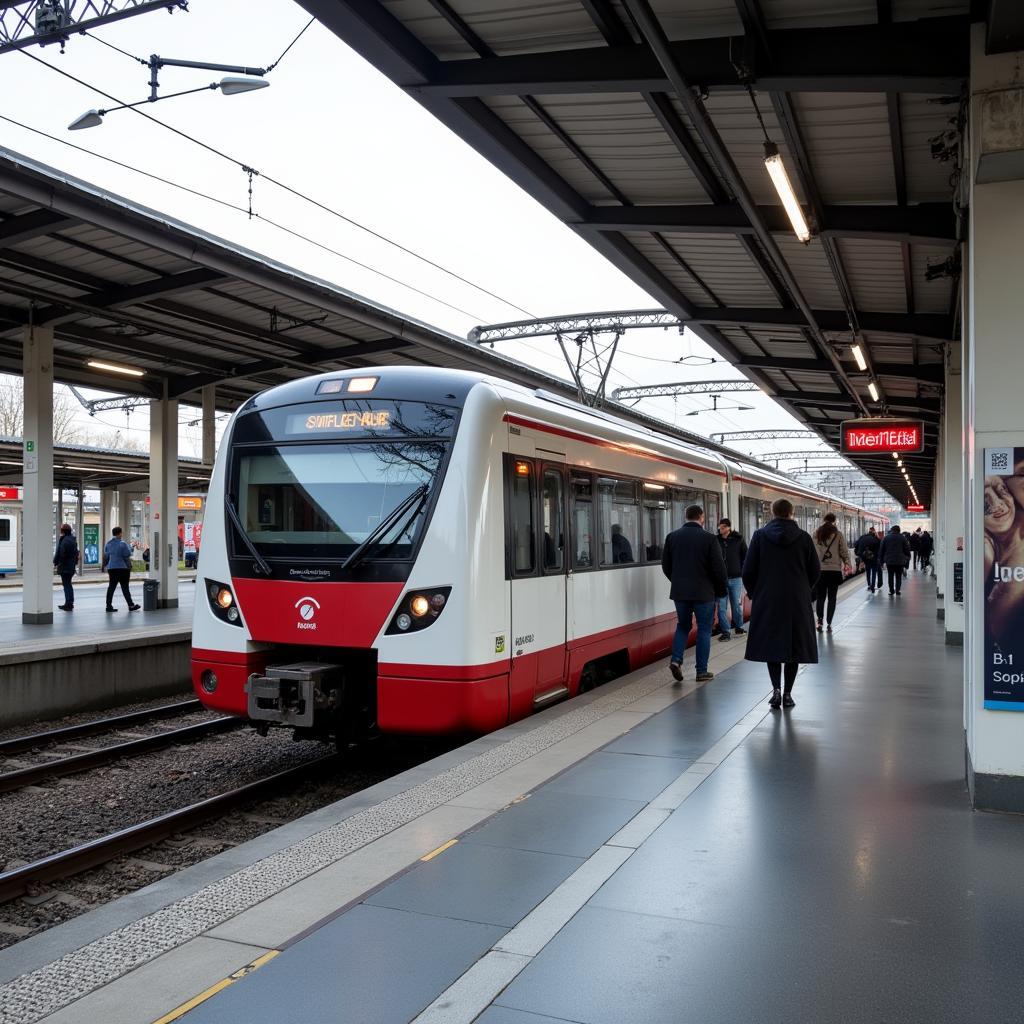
x=866, y=549
x=117, y=560
x=927, y=547
x=894, y=554
x=780, y=569
x=915, y=546
x=692, y=561
x=833, y=555
x=65, y=561
x=734, y=550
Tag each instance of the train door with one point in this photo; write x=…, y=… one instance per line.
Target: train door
x=551, y=603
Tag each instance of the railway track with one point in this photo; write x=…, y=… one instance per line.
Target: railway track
x=17, y=881
x=75, y=763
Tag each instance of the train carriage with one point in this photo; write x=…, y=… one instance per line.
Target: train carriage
x=426, y=551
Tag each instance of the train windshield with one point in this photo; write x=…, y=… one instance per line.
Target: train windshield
x=323, y=500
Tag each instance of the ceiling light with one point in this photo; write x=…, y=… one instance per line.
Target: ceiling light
x=873, y=390
x=780, y=179
x=894, y=455
x=115, y=368
x=858, y=354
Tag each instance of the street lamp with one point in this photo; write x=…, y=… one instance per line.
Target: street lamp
x=231, y=85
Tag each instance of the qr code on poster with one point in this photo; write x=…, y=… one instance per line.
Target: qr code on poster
x=998, y=461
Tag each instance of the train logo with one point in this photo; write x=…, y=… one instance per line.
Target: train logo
x=308, y=607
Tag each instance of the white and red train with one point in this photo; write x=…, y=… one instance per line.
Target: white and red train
x=428, y=551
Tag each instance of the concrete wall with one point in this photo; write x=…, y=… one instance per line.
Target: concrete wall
x=42, y=685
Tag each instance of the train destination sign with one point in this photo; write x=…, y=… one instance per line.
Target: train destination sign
x=866, y=437
x=337, y=422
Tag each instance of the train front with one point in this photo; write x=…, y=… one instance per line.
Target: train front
x=327, y=486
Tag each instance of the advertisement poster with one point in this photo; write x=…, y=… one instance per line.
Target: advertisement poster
x=91, y=544
x=1004, y=579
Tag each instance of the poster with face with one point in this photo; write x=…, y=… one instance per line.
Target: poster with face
x=1004, y=578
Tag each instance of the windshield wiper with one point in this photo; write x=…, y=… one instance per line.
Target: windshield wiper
x=385, y=524
x=261, y=562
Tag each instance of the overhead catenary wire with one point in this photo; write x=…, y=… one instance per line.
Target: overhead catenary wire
x=246, y=167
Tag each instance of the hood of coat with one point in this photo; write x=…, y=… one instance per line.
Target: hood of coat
x=783, y=532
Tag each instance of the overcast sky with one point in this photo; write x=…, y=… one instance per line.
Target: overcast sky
x=333, y=128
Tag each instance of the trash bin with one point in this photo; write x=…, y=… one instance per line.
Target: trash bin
x=150, y=594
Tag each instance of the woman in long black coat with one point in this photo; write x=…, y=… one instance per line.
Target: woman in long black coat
x=780, y=569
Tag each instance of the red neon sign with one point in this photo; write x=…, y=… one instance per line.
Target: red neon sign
x=868, y=437
x=915, y=508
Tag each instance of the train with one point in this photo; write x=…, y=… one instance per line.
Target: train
x=424, y=551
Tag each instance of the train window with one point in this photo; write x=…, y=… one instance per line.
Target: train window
x=657, y=520
x=619, y=520
x=712, y=508
x=521, y=522
x=552, y=511
x=583, y=522
x=682, y=498
x=5, y=529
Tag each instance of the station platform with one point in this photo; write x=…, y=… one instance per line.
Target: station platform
x=91, y=658
x=647, y=852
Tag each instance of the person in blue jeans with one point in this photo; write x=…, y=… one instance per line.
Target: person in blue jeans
x=734, y=550
x=692, y=561
x=117, y=560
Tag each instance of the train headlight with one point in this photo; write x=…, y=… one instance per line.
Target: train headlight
x=222, y=602
x=419, y=609
x=208, y=681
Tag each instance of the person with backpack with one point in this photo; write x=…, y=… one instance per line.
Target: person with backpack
x=866, y=549
x=65, y=561
x=894, y=554
x=834, y=559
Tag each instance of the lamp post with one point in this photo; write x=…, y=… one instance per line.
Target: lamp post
x=239, y=79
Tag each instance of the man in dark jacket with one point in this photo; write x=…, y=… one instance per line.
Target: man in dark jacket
x=693, y=561
x=734, y=550
x=781, y=568
x=895, y=556
x=915, y=546
x=866, y=549
x=65, y=561
x=927, y=547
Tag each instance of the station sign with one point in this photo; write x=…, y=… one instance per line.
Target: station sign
x=881, y=436
x=10, y=494
x=915, y=508
x=189, y=502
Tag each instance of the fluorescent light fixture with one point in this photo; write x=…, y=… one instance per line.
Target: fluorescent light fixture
x=899, y=462
x=90, y=119
x=654, y=487
x=129, y=371
x=858, y=354
x=894, y=455
x=873, y=390
x=234, y=86
x=780, y=179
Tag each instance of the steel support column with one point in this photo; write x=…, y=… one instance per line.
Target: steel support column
x=209, y=424
x=37, y=518
x=163, y=499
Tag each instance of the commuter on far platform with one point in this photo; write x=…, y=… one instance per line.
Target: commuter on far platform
x=65, y=561
x=734, y=550
x=692, y=560
x=915, y=546
x=927, y=547
x=117, y=560
x=895, y=556
x=834, y=556
x=779, y=572
x=866, y=549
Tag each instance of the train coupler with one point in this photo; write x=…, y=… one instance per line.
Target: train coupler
x=291, y=694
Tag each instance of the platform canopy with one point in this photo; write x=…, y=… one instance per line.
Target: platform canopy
x=98, y=468
x=633, y=122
